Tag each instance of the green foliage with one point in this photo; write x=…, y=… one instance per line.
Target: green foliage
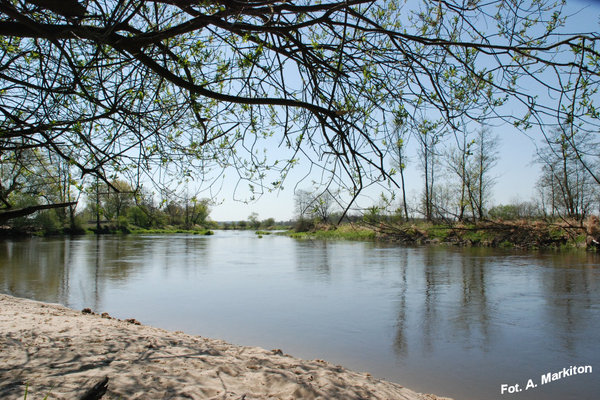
x=268, y=223
x=116, y=212
x=261, y=227
x=253, y=222
x=49, y=222
x=372, y=215
x=514, y=211
x=126, y=211
x=440, y=233
x=303, y=225
x=524, y=234
x=139, y=217
x=474, y=236
x=505, y=212
x=123, y=224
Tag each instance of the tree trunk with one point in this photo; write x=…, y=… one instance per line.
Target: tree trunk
x=21, y=212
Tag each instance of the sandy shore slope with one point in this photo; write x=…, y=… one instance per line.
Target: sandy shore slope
x=64, y=352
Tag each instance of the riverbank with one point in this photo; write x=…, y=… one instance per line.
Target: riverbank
x=49, y=349
x=7, y=232
x=521, y=234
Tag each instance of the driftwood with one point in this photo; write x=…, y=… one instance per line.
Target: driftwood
x=97, y=391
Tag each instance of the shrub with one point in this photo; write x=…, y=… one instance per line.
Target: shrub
x=304, y=225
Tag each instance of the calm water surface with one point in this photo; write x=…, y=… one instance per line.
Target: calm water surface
x=455, y=322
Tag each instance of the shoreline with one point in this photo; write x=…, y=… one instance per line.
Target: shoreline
x=521, y=234
x=50, y=349
x=530, y=235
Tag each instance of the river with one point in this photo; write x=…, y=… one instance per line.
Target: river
x=454, y=322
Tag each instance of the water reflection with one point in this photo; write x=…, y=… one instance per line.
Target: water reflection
x=77, y=272
x=458, y=322
x=400, y=342
x=313, y=260
x=569, y=289
x=453, y=290
x=473, y=310
x=35, y=268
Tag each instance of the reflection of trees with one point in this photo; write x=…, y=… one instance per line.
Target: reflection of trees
x=447, y=291
x=431, y=271
x=117, y=258
x=400, y=342
x=98, y=262
x=69, y=246
x=443, y=292
x=181, y=253
x=570, y=291
x=313, y=259
x=473, y=311
x=36, y=266
x=76, y=271
x=187, y=253
x=112, y=257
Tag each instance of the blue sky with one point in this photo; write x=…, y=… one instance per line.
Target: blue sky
x=516, y=173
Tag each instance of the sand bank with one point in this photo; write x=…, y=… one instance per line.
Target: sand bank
x=56, y=350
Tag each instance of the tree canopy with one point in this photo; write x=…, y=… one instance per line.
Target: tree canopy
x=152, y=89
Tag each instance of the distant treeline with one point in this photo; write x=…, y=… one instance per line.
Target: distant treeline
x=119, y=208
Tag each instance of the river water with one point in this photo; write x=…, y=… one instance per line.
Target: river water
x=449, y=321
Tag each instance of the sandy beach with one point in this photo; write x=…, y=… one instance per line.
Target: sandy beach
x=50, y=349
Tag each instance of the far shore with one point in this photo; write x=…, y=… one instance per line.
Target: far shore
x=522, y=234
x=518, y=234
x=50, y=350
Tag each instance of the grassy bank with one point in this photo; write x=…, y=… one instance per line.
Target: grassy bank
x=524, y=234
